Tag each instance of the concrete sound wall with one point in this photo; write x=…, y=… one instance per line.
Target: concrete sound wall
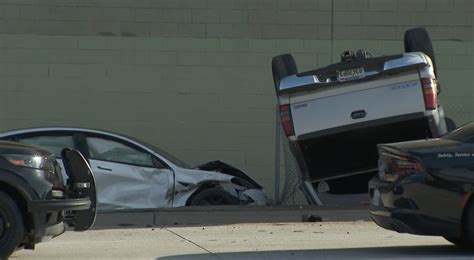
x=193, y=76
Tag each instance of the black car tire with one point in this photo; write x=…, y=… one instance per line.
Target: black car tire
x=213, y=196
x=418, y=39
x=467, y=239
x=282, y=66
x=12, y=229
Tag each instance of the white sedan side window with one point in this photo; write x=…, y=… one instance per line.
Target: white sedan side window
x=108, y=150
x=52, y=143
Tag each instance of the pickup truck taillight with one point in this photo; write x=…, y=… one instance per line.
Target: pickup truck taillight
x=430, y=93
x=286, y=120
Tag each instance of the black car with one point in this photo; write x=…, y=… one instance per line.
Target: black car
x=34, y=200
x=425, y=187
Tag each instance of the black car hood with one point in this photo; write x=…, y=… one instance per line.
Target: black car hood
x=218, y=166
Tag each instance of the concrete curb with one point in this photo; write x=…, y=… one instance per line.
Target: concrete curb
x=223, y=215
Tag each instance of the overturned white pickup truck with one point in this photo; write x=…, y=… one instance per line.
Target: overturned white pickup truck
x=335, y=116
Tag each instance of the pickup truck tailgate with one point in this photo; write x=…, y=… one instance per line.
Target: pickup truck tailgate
x=351, y=103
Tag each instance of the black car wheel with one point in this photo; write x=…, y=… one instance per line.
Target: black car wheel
x=212, y=197
x=12, y=229
x=282, y=66
x=467, y=238
x=468, y=226
x=418, y=39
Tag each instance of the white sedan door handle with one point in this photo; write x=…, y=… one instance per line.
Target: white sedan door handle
x=103, y=168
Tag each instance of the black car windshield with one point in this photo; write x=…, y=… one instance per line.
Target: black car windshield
x=462, y=134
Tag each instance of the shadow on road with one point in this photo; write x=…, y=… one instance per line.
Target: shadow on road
x=428, y=252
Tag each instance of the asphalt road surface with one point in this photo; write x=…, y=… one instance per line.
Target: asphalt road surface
x=330, y=240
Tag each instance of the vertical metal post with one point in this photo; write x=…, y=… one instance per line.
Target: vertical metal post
x=332, y=32
x=277, y=155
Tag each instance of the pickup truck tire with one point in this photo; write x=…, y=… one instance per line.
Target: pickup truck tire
x=418, y=39
x=282, y=66
x=12, y=229
x=213, y=196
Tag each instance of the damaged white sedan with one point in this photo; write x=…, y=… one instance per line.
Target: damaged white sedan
x=133, y=174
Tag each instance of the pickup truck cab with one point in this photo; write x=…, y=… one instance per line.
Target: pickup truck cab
x=335, y=116
x=35, y=203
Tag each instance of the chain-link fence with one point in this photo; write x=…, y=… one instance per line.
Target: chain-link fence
x=291, y=193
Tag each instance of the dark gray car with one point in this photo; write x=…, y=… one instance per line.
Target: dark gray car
x=34, y=201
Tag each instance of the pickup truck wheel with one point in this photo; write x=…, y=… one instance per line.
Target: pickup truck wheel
x=12, y=229
x=282, y=66
x=212, y=197
x=418, y=39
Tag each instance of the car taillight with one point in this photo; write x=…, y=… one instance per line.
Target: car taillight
x=403, y=167
x=286, y=120
x=392, y=167
x=430, y=93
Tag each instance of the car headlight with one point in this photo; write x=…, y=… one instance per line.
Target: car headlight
x=31, y=161
x=242, y=182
